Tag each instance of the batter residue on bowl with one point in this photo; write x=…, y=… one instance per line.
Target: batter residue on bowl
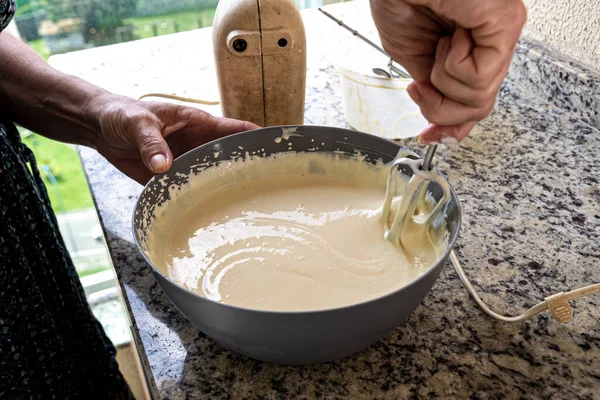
x=292, y=232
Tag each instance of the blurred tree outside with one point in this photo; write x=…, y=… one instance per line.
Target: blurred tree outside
x=28, y=16
x=58, y=26
x=104, y=17
x=100, y=18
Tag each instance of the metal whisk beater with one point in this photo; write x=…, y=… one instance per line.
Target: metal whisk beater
x=423, y=172
x=415, y=192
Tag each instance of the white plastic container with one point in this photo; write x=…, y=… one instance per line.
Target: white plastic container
x=373, y=104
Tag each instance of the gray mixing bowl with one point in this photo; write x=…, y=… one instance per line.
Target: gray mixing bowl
x=291, y=337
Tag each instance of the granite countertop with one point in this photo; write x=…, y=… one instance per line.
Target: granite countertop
x=528, y=180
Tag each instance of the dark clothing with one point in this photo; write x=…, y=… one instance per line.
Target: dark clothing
x=51, y=346
x=7, y=10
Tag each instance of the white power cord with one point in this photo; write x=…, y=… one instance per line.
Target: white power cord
x=179, y=98
x=558, y=304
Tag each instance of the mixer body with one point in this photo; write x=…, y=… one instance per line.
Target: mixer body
x=260, y=56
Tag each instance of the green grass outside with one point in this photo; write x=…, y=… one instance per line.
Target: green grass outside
x=171, y=23
x=39, y=46
x=92, y=271
x=71, y=190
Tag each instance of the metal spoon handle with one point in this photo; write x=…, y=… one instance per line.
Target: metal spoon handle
x=393, y=68
x=429, y=157
x=354, y=32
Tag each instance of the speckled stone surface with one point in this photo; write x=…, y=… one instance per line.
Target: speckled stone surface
x=528, y=179
x=558, y=80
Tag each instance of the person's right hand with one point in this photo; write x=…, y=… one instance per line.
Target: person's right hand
x=458, y=53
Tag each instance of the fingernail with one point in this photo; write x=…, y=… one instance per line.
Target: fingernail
x=158, y=162
x=414, y=93
x=449, y=140
x=425, y=141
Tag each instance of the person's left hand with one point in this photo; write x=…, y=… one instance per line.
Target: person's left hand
x=142, y=138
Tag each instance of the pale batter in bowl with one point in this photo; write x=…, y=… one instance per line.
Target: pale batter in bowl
x=295, y=232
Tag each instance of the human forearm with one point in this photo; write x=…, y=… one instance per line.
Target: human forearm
x=139, y=138
x=44, y=100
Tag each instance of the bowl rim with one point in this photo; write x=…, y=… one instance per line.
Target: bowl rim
x=439, y=263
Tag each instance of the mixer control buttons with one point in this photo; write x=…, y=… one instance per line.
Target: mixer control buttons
x=282, y=42
x=240, y=45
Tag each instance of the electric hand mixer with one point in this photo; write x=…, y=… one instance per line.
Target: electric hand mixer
x=424, y=172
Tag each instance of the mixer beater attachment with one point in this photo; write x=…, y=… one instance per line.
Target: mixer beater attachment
x=414, y=196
